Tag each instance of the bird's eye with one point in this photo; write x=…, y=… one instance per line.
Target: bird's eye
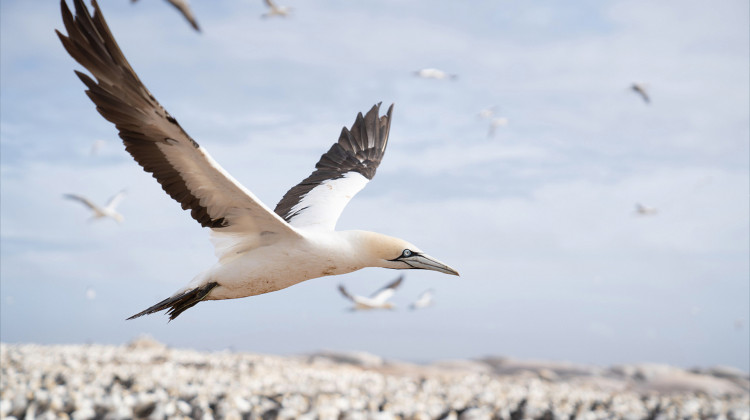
x=406, y=253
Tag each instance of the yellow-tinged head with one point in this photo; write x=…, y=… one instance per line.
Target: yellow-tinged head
x=378, y=250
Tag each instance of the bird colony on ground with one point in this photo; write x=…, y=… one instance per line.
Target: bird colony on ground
x=255, y=246
x=148, y=380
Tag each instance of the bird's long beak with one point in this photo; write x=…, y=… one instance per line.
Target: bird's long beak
x=426, y=262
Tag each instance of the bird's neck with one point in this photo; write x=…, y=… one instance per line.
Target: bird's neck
x=367, y=249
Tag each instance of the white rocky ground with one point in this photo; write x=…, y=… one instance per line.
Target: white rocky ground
x=148, y=380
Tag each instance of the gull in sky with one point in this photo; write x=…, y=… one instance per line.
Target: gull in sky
x=487, y=112
x=275, y=10
x=642, y=210
x=96, y=146
x=99, y=212
x=378, y=300
x=259, y=250
x=739, y=323
x=640, y=88
x=184, y=7
x=424, y=300
x=434, y=74
x=495, y=123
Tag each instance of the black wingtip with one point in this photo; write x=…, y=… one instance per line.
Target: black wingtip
x=179, y=303
x=396, y=283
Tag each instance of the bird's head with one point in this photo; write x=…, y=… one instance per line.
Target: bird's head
x=389, y=252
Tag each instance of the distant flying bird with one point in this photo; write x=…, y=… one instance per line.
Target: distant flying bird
x=99, y=212
x=487, y=112
x=275, y=10
x=640, y=89
x=434, y=74
x=258, y=250
x=378, y=300
x=495, y=123
x=184, y=7
x=642, y=210
x=424, y=300
x=96, y=146
x=739, y=323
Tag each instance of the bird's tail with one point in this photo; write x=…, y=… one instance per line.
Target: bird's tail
x=177, y=304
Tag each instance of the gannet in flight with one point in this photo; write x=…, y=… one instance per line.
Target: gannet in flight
x=96, y=146
x=424, y=300
x=274, y=10
x=258, y=250
x=378, y=300
x=642, y=210
x=487, y=112
x=434, y=74
x=640, y=89
x=184, y=7
x=494, y=123
x=99, y=212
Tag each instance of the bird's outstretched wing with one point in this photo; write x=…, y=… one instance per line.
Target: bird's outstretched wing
x=81, y=199
x=317, y=201
x=184, y=7
x=426, y=295
x=115, y=200
x=387, y=291
x=345, y=293
x=155, y=139
x=424, y=300
x=641, y=90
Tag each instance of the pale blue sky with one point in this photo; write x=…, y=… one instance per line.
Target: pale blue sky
x=538, y=220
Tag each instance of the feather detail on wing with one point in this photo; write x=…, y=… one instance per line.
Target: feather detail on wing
x=317, y=201
x=155, y=139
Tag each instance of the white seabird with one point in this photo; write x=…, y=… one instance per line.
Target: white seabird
x=275, y=10
x=258, y=250
x=430, y=73
x=495, y=123
x=642, y=210
x=96, y=146
x=184, y=7
x=99, y=212
x=424, y=300
x=487, y=112
x=640, y=89
x=378, y=300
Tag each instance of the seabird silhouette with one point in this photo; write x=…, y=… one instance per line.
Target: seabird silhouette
x=99, y=212
x=378, y=300
x=258, y=250
x=275, y=10
x=424, y=300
